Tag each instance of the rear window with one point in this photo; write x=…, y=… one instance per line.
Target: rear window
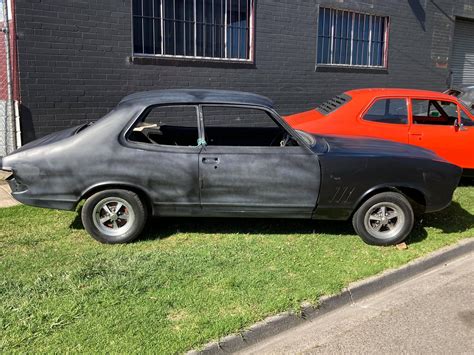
x=388, y=111
x=333, y=104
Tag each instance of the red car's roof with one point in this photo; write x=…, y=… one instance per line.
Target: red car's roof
x=374, y=92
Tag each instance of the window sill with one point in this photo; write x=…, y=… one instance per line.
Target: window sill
x=190, y=62
x=348, y=69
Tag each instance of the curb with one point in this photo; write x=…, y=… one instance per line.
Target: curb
x=354, y=292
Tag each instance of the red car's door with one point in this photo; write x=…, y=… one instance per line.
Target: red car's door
x=434, y=125
x=465, y=136
x=386, y=118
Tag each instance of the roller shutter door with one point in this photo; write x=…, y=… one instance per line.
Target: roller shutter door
x=462, y=61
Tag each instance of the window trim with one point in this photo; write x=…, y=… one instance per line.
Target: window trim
x=378, y=98
x=250, y=60
x=354, y=66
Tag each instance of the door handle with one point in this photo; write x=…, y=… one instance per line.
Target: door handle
x=417, y=135
x=210, y=160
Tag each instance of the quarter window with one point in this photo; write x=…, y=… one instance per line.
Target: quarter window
x=354, y=39
x=217, y=29
x=388, y=111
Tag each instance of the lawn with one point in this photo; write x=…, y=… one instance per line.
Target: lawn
x=187, y=281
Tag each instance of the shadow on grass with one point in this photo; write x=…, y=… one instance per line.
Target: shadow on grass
x=453, y=219
x=167, y=227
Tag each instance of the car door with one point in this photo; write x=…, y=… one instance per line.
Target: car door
x=250, y=166
x=434, y=125
x=165, y=142
x=465, y=136
x=386, y=118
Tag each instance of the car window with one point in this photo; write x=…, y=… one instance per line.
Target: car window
x=240, y=126
x=392, y=111
x=434, y=112
x=167, y=125
x=466, y=120
x=467, y=99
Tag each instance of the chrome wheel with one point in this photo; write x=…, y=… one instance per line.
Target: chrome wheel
x=113, y=216
x=384, y=220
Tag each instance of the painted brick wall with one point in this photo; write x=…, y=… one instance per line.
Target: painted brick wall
x=75, y=56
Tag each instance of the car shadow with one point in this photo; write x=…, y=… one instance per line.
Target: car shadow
x=453, y=219
x=162, y=228
x=466, y=181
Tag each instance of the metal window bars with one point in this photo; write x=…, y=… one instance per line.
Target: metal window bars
x=205, y=29
x=347, y=38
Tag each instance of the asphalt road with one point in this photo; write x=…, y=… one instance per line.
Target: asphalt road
x=430, y=313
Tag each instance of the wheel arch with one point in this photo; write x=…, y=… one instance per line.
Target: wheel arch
x=121, y=186
x=415, y=196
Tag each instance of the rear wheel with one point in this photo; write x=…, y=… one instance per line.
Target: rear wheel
x=114, y=216
x=384, y=219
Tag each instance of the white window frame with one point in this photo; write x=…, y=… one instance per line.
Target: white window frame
x=352, y=13
x=226, y=58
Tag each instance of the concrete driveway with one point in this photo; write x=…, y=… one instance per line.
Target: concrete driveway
x=430, y=313
x=6, y=200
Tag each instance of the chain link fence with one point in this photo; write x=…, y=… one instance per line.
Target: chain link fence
x=7, y=107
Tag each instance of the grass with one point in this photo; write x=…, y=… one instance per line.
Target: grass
x=187, y=281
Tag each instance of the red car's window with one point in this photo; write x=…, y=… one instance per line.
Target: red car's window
x=392, y=111
x=465, y=120
x=433, y=112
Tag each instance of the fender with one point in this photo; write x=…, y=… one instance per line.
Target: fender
x=117, y=185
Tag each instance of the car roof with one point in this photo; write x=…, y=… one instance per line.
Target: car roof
x=374, y=92
x=197, y=96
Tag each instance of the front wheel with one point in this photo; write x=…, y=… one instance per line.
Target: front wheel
x=384, y=219
x=114, y=216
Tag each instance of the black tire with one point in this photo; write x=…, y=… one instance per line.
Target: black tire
x=390, y=232
x=129, y=220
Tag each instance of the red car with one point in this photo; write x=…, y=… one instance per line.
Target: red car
x=429, y=119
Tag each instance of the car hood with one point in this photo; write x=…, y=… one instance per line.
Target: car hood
x=374, y=147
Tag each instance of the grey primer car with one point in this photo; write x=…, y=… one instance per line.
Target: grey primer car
x=126, y=168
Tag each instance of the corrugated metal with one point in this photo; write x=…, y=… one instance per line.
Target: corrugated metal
x=462, y=61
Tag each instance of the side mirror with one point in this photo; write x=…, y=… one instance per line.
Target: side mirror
x=459, y=127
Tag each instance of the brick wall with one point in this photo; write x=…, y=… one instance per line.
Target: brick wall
x=75, y=56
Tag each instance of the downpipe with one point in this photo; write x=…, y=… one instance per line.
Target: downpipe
x=10, y=120
x=17, y=125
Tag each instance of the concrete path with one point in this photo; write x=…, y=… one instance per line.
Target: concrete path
x=6, y=199
x=430, y=313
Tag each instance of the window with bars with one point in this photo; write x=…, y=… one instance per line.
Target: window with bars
x=212, y=29
x=348, y=38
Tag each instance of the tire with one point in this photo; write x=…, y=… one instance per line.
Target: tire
x=105, y=224
x=368, y=218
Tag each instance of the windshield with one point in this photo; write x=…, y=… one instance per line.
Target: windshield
x=467, y=100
